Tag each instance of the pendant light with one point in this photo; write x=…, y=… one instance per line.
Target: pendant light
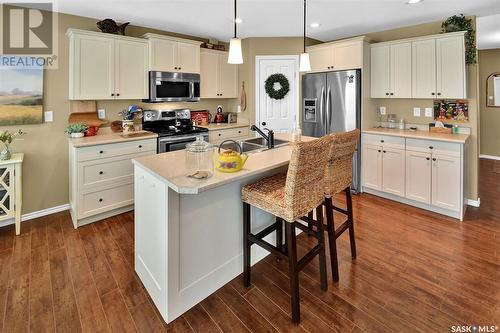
x=235, y=55
x=305, y=64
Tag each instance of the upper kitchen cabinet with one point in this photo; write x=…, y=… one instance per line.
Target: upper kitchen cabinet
x=172, y=54
x=103, y=66
x=340, y=55
x=218, y=78
x=391, y=70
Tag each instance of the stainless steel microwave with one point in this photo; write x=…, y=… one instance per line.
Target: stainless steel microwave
x=173, y=87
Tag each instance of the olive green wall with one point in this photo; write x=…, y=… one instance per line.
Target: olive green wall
x=45, y=146
x=489, y=62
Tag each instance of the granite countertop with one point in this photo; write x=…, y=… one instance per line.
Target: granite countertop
x=106, y=136
x=221, y=126
x=171, y=167
x=456, y=138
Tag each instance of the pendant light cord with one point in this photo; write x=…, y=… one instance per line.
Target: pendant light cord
x=304, y=26
x=235, y=18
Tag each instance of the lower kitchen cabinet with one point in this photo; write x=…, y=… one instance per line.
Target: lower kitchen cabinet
x=393, y=171
x=446, y=184
x=372, y=166
x=418, y=176
x=217, y=136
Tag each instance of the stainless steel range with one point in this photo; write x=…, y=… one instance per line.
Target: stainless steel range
x=174, y=128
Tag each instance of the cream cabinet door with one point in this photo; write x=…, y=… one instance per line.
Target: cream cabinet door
x=347, y=55
x=228, y=78
x=93, y=75
x=451, y=75
x=393, y=171
x=209, y=74
x=424, y=69
x=380, y=71
x=418, y=176
x=131, y=69
x=163, y=55
x=446, y=181
x=188, y=58
x=321, y=58
x=400, y=70
x=372, y=166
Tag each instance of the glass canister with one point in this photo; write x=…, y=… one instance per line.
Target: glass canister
x=199, y=159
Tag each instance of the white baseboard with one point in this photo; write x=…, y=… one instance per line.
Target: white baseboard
x=39, y=213
x=474, y=203
x=490, y=157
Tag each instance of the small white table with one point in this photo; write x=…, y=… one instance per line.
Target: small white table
x=11, y=189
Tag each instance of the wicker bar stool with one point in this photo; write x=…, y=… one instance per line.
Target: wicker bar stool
x=338, y=179
x=289, y=196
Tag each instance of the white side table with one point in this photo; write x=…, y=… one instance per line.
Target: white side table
x=11, y=188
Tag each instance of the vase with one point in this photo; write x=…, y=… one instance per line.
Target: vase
x=5, y=153
x=77, y=135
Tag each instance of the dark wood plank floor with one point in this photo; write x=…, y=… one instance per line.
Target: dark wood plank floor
x=416, y=272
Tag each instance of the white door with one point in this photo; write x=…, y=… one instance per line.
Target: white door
x=401, y=70
x=278, y=115
x=131, y=68
x=372, y=167
x=418, y=176
x=446, y=184
x=451, y=67
x=393, y=171
x=380, y=71
x=424, y=68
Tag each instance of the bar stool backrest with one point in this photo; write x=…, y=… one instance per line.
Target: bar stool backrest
x=306, y=174
x=339, y=170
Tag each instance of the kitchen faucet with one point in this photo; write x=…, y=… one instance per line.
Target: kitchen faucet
x=269, y=137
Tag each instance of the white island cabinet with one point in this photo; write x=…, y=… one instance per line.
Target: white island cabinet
x=189, y=233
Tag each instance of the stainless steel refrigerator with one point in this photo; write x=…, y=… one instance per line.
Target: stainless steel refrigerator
x=331, y=102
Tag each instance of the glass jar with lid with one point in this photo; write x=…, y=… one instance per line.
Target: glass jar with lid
x=199, y=159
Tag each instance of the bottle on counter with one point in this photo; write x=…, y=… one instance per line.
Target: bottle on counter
x=401, y=124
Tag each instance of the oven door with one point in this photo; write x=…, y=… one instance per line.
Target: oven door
x=173, y=143
x=173, y=87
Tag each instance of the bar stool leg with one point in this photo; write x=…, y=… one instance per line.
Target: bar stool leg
x=279, y=234
x=293, y=271
x=309, y=224
x=351, y=221
x=321, y=243
x=332, y=239
x=246, y=244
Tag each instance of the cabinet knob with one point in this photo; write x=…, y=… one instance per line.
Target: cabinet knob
x=219, y=134
x=180, y=67
x=427, y=158
x=431, y=147
x=433, y=158
x=175, y=67
x=101, y=172
x=382, y=141
x=439, y=94
x=387, y=94
x=112, y=94
x=101, y=152
x=264, y=123
x=140, y=146
x=100, y=200
x=433, y=94
x=392, y=94
x=239, y=132
x=384, y=152
x=117, y=94
x=379, y=151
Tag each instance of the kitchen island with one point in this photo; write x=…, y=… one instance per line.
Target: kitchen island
x=188, y=232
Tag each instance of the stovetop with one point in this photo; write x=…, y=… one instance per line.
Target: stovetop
x=173, y=130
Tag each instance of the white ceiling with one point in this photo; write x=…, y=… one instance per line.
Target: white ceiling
x=267, y=18
x=488, y=32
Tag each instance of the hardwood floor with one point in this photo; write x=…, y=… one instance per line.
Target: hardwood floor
x=416, y=271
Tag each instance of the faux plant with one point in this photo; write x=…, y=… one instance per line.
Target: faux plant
x=7, y=137
x=461, y=23
x=76, y=128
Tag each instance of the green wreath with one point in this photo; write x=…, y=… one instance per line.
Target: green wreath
x=284, y=86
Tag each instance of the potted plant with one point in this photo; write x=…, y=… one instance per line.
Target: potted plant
x=76, y=130
x=6, y=137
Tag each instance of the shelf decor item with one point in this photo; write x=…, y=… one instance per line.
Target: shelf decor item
x=277, y=86
x=76, y=130
x=451, y=110
x=6, y=137
x=111, y=27
x=461, y=23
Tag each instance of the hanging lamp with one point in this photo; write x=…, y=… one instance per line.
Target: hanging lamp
x=235, y=55
x=305, y=64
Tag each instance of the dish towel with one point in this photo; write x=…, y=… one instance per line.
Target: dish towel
x=243, y=97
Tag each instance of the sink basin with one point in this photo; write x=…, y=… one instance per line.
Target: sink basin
x=262, y=142
x=246, y=147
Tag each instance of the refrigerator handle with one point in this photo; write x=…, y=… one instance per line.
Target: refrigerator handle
x=322, y=104
x=328, y=111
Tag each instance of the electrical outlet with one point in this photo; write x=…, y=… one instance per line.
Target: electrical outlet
x=416, y=112
x=382, y=110
x=101, y=113
x=48, y=116
x=428, y=112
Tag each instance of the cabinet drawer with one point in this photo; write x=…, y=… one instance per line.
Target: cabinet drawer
x=104, y=173
x=115, y=149
x=384, y=140
x=104, y=200
x=232, y=133
x=431, y=146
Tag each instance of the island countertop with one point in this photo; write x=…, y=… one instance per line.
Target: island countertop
x=455, y=138
x=171, y=167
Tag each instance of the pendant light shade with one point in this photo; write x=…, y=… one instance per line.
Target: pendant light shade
x=235, y=54
x=305, y=64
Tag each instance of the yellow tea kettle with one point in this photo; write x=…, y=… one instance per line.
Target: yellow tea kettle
x=230, y=160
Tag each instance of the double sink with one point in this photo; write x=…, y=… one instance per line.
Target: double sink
x=256, y=145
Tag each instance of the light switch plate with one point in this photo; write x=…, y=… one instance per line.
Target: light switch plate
x=48, y=116
x=416, y=112
x=428, y=112
x=101, y=113
x=382, y=110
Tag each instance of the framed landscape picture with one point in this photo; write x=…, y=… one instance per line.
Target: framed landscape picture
x=21, y=94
